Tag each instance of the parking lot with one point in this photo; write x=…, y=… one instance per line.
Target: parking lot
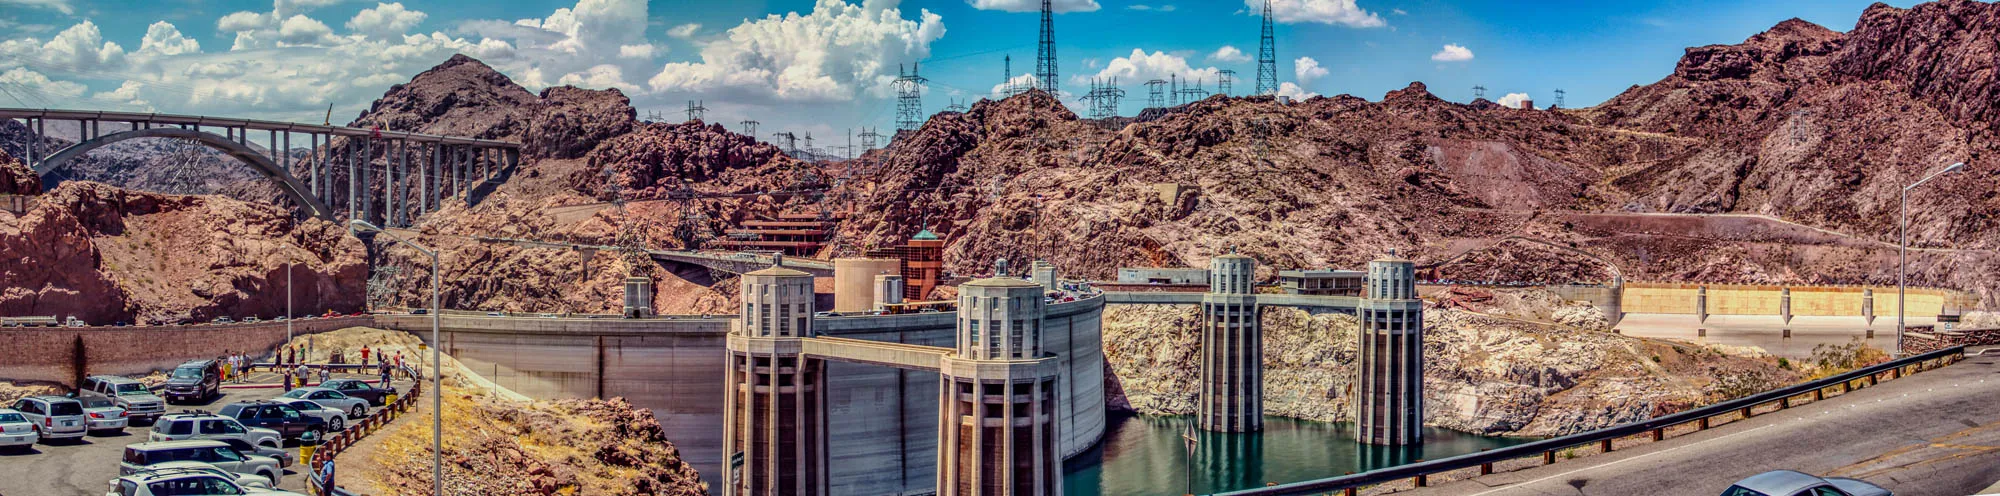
x=85, y=466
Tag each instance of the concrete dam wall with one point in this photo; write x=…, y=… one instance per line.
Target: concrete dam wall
x=882, y=421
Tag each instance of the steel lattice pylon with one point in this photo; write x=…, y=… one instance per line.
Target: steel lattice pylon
x=1045, y=58
x=1267, y=57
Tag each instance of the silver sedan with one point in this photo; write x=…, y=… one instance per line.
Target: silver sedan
x=104, y=414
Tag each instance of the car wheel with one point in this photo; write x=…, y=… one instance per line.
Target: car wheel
x=273, y=478
x=359, y=411
x=338, y=424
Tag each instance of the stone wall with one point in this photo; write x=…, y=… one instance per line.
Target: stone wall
x=47, y=354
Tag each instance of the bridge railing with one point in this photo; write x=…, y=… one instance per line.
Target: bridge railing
x=1419, y=473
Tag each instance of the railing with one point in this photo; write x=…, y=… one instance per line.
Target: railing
x=1419, y=473
x=334, y=444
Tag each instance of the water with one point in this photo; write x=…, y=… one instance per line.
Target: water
x=1147, y=455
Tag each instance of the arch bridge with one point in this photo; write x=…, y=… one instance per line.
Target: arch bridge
x=418, y=172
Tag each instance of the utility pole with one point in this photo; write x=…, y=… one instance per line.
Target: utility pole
x=1559, y=98
x=956, y=106
x=791, y=142
x=868, y=136
x=1478, y=92
x=1007, y=83
x=1224, y=79
x=1155, y=94
x=1191, y=94
x=696, y=110
x=909, y=98
x=1045, y=57
x=750, y=128
x=1267, y=57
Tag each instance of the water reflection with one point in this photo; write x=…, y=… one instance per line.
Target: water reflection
x=1149, y=455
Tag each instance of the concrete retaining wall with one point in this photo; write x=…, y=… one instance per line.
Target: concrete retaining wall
x=46, y=354
x=1734, y=299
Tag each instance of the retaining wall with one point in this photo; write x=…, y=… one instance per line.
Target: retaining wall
x=46, y=354
x=1737, y=299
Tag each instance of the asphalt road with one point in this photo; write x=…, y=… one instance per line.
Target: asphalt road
x=86, y=466
x=1933, y=433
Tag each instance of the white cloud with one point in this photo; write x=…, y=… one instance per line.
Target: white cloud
x=288, y=8
x=80, y=48
x=602, y=76
x=1287, y=89
x=1023, y=82
x=684, y=31
x=127, y=95
x=302, y=30
x=1453, y=53
x=62, y=6
x=1307, y=70
x=1399, y=12
x=1229, y=54
x=385, y=21
x=162, y=38
x=831, y=54
x=1143, y=7
x=242, y=21
x=1059, y=6
x=40, y=86
x=1513, y=100
x=636, y=51
x=1342, y=12
x=1140, y=66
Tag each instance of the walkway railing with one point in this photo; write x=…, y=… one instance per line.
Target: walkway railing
x=334, y=444
x=1419, y=473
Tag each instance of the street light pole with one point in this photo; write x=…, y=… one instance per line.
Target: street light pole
x=288, y=302
x=1903, y=255
x=437, y=374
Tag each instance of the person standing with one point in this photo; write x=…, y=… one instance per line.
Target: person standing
x=287, y=371
x=303, y=373
x=325, y=372
x=364, y=355
x=385, y=373
x=227, y=360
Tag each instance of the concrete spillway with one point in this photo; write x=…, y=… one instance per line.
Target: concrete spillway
x=882, y=421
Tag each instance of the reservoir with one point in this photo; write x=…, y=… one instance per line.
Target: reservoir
x=1148, y=455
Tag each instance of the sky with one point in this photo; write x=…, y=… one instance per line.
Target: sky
x=828, y=67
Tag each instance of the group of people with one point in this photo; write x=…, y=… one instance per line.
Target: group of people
x=235, y=366
x=302, y=374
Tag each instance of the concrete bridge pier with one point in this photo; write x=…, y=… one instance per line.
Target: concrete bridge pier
x=1232, y=348
x=998, y=402
x=774, y=435
x=1389, y=404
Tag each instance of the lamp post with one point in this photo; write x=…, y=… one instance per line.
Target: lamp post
x=437, y=375
x=1902, y=252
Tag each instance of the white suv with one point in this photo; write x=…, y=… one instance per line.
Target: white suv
x=138, y=457
x=183, y=481
x=204, y=425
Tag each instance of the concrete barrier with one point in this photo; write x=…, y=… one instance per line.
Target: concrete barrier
x=48, y=354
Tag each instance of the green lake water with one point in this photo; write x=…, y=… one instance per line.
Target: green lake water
x=1148, y=456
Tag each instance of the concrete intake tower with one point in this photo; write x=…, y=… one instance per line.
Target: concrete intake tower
x=997, y=429
x=1389, y=399
x=1232, y=348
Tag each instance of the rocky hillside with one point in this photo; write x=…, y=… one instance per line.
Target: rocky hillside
x=105, y=254
x=152, y=165
x=1481, y=374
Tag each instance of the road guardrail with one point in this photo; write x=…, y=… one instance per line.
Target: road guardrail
x=334, y=444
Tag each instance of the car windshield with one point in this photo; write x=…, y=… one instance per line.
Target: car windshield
x=65, y=408
x=187, y=373
x=297, y=393
x=96, y=402
x=1740, y=491
x=132, y=389
x=9, y=418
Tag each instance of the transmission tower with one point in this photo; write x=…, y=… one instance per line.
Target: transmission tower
x=791, y=142
x=696, y=111
x=1224, y=79
x=1478, y=92
x=1267, y=57
x=1191, y=94
x=653, y=116
x=1156, y=96
x=868, y=136
x=1045, y=58
x=1103, y=98
x=909, y=99
x=750, y=128
x=810, y=152
x=956, y=106
x=1559, y=98
x=1007, y=89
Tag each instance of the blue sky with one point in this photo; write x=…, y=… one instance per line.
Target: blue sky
x=824, y=66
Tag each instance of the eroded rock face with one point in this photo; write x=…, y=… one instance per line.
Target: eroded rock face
x=460, y=97
x=105, y=254
x=1481, y=374
x=572, y=121
x=16, y=178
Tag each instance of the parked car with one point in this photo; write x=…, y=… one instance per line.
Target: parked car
x=495, y=314
x=355, y=407
x=336, y=419
x=16, y=430
x=285, y=457
x=104, y=415
x=204, y=425
x=275, y=416
x=139, y=402
x=222, y=320
x=161, y=483
x=54, y=417
x=1795, y=483
x=247, y=481
x=250, y=320
x=199, y=380
x=376, y=396
x=420, y=311
x=138, y=457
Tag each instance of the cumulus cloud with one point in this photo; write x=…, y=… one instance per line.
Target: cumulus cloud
x=62, y=6
x=684, y=31
x=1141, y=66
x=1307, y=70
x=1342, y=12
x=1453, y=53
x=1514, y=100
x=1059, y=6
x=637, y=51
x=1024, y=82
x=1288, y=89
x=80, y=48
x=602, y=76
x=40, y=86
x=830, y=54
x=386, y=20
x=1229, y=54
x=127, y=95
x=163, y=39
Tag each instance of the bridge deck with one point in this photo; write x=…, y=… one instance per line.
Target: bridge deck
x=202, y=120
